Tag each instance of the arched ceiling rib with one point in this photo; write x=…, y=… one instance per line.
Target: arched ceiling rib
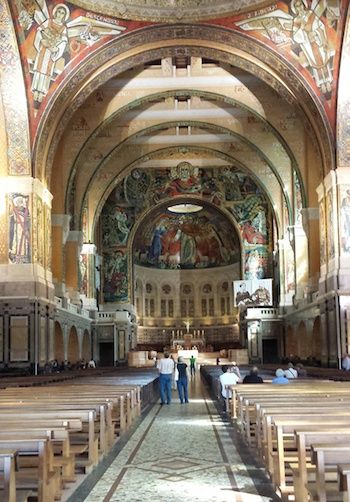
x=168, y=11
x=98, y=193
x=267, y=185
x=134, y=109
x=113, y=61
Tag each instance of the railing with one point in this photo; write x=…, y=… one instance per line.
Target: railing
x=262, y=313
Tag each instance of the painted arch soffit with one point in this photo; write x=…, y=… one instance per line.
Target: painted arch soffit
x=109, y=63
x=265, y=185
x=97, y=193
x=15, y=110
x=104, y=128
x=130, y=149
x=168, y=11
x=276, y=156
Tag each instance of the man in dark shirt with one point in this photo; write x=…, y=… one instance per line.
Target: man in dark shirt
x=182, y=380
x=253, y=376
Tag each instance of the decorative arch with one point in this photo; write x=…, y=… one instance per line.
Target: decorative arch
x=58, y=342
x=73, y=346
x=15, y=111
x=317, y=339
x=178, y=93
x=86, y=346
x=215, y=42
x=303, y=341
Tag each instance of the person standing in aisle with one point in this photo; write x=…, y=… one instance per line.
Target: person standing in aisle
x=182, y=380
x=166, y=369
x=193, y=365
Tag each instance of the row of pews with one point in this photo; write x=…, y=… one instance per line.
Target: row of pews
x=50, y=434
x=301, y=433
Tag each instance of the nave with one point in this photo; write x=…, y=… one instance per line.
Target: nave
x=180, y=452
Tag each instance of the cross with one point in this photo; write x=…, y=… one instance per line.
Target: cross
x=187, y=324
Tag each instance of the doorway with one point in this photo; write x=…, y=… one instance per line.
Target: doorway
x=270, y=350
x=106, y=354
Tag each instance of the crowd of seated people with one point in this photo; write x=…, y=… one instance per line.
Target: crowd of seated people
x=54, y=366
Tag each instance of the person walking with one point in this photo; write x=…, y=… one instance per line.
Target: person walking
x=166, y=369
x=193, y=365
x=182, y=381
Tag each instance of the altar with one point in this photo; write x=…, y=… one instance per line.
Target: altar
x=188, y=341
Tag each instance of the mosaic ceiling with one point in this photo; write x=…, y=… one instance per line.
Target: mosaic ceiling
x=170, y=11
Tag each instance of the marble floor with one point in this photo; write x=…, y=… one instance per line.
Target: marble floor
x=181, y=452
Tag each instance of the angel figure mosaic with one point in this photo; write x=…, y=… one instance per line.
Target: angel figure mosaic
x=55, y=29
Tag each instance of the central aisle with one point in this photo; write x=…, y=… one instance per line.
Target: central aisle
x=183, y=452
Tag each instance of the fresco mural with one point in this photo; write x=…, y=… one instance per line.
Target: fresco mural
x=345, y=220
x=115, y=286
x=187, y=241
x=19, y=228
x=116, y=225
x=323, y=241
x=289, y=265
x=83, y=272
x=330, y=220
x=55, y=32
x=306, y=31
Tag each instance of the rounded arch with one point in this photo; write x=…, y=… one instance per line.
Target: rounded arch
x=291, y=348
x=147, y=215
x=229, y=158
x=86, y=346
x=303, y=342
x=215, y=42
x=317, y=341
x=220, y=98
x=58, y=342
x=73, y=346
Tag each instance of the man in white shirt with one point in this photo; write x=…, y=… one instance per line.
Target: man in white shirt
x=291, y=372
x=227, y=378
x=166, y=368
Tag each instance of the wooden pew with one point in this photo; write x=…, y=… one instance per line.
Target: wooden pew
x=325, y=433
x=7, y=468
x=326, y=457
x=41, y=483
x=344, y=481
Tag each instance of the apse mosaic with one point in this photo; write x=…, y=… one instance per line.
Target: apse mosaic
x=185, y=241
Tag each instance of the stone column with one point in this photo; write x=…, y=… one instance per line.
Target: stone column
x=72, y=251
x=60, y=232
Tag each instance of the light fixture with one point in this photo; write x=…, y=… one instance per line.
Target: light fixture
x=185, y=208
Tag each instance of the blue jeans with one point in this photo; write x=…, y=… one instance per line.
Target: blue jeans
x=165, y=387
x=182, y=389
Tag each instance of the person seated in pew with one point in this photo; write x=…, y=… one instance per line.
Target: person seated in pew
x=253, y=376
x=291, y=372
x=345, y=362
x=280, y=378
x=301, y=370
x=227, y=378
